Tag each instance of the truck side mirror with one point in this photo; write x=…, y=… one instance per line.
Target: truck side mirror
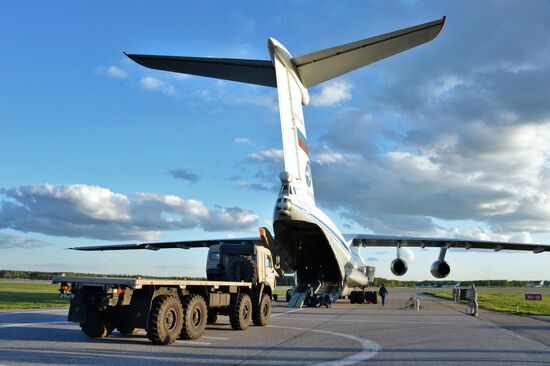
x=277, y=260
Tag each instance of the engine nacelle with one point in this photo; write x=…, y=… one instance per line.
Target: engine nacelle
x=398, y=267
x=440, y=269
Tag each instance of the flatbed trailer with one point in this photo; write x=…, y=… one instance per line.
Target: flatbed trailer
x=166, y=309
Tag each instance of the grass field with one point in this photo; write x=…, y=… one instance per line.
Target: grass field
x=508, y=303
x=29, y=296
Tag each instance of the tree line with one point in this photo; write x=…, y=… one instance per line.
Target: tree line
x=48, y=276
x=287, y=280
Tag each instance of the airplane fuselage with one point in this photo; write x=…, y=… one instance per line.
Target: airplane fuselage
x=313, y=247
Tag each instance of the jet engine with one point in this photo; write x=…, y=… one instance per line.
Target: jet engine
x=440, y=269
x=398, y=267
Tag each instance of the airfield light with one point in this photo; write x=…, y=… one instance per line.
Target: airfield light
x=120, y=290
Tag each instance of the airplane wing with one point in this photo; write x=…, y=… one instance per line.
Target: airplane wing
x=259, y=72
x=367, y=240
x=171, y=244
x=316, y=67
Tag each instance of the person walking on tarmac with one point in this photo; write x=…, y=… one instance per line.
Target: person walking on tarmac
x=383, y=292
x=471, y=296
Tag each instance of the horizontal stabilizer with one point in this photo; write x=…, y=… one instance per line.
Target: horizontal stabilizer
x=259, y=72
x=316, y=67
x=368, y=240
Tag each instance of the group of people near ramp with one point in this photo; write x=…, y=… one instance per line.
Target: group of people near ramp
x=414, y=302
x=471, y=297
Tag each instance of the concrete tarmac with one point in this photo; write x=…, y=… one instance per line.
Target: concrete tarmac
x=439, y=334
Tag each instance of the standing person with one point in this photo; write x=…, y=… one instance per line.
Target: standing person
x=471, y=295
x=383, y=292
x=456, y=293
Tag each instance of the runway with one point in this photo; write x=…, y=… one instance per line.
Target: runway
x=346, y=334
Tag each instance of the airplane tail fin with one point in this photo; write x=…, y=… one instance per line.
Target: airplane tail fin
x=292, y=95
x=291, y=77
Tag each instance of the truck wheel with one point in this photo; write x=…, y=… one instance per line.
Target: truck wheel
x=165, y=320
x=241, y=268
x=212, y=317
x=262, y=311
x=194, y=317
x=242, y=312
x=95, y=325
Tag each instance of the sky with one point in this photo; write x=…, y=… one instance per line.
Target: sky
x=449, y=139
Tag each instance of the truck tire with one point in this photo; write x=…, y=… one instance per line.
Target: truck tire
x=124, y=324
x=262, y=311
x=95, y=325
x=212, y=317
x=194, y=317
x=165, y=320
x=241, y=313
x=241, y=268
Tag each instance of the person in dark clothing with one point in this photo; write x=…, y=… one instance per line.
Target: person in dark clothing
x=383, y=292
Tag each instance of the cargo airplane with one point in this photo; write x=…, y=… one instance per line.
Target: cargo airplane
x=306, y=242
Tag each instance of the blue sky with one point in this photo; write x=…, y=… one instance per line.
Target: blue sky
x=448, y=139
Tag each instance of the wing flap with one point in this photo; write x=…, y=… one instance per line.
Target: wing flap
x=259, y=72
x=316, y=67
x=367, y=240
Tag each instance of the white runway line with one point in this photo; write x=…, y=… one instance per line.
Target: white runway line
x=22, y=325
x=369, y=349
x=37, y=311
x=286, y=312
x=216, y=338
x=361, y=321
x=194, y=343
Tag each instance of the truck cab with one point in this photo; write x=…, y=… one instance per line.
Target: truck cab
x=241, y=262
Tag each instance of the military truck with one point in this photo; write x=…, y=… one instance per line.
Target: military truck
x=240, y=283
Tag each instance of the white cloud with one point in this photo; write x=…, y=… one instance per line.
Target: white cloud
x=154, y=84
x=332, y=92
x=18, y=241
x=117, y=72
x=271, y=155
x=242, y=141
x=498, y=176
x=94, y=212
x=229, y=218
